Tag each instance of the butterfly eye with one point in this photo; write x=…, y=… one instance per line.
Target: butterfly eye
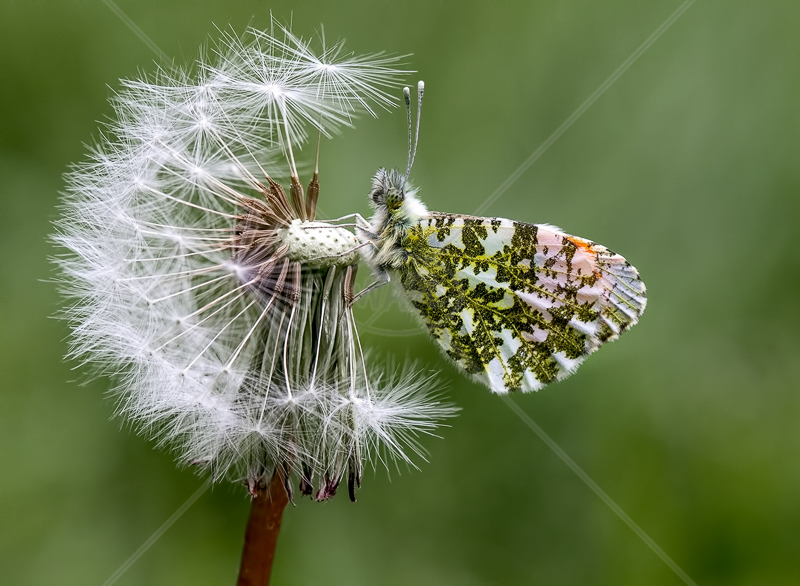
x=394, y=198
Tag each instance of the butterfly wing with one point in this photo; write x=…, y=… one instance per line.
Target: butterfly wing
x=516, y=305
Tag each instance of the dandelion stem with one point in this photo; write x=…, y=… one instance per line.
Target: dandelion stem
x=263, y=527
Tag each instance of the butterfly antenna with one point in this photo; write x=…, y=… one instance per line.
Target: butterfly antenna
x=420, y=92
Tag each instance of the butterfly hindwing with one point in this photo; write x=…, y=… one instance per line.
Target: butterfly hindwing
x=516, y=305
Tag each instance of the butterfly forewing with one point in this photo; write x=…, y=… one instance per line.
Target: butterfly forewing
x=516, y=305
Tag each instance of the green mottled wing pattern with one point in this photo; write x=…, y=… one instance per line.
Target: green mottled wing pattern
x=516, y=305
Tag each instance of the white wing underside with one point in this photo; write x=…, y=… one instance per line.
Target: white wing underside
x=517, y=305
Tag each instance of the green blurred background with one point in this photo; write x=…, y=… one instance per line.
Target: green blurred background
x=688, y=165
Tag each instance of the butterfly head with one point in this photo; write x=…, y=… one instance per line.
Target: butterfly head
x=395, y=199
x=389, y=189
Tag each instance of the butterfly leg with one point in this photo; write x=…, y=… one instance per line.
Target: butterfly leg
x=361, y=225
x=341, y=254
x=359, y=220
x=383, y=279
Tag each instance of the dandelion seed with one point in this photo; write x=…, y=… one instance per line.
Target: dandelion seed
x=213, y=297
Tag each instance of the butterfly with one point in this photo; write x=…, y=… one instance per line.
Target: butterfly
x=514, y=305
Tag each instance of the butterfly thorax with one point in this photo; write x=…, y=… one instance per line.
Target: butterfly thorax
x=397, y=210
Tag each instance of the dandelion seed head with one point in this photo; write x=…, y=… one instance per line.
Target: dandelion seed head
x=216, y=301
